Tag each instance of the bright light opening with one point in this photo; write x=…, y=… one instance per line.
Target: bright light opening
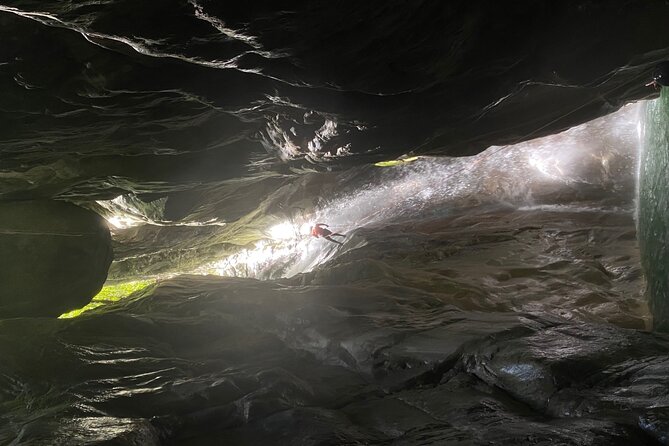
x=283, y=231
x=124, y=221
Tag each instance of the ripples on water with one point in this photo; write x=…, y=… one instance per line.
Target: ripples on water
x=486, y=300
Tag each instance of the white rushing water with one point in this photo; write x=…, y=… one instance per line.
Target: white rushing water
x=491, y=299
x=582, y=164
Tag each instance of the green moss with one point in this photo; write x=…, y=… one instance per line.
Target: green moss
x=108, y=294
x=653, y=218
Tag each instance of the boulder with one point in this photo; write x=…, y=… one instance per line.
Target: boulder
x=55, y=257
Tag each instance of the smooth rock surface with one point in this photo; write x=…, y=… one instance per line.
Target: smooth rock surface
x=55, y=257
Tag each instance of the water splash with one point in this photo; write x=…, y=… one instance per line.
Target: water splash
x=588, y=168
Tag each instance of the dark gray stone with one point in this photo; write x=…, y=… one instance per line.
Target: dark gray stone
x=55, y=257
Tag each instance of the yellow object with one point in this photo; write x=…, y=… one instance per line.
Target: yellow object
x=396, y=162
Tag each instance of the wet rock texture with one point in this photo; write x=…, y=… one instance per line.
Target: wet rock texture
x=205, y=361
x=117, y=96
x=410, y=338
x=462, y=309
x=55, y=257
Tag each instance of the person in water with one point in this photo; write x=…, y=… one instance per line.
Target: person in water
x=660, y=75
x=319, y=230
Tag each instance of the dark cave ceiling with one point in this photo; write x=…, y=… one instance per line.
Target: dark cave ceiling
x=101, y=98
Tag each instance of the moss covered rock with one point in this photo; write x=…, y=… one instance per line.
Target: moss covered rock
x=55, y=257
